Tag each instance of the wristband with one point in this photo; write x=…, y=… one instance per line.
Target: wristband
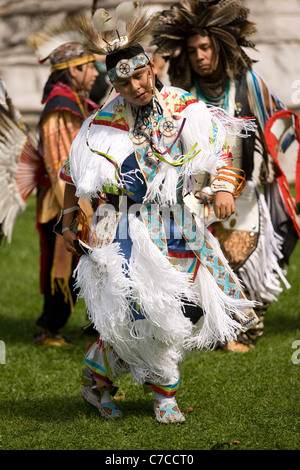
x=70, y=209
x=223, y=184
x=65, y=229
x=226, y=180
x=230, y=181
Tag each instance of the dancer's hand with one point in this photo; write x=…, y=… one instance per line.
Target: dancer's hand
x=223, y=204
x=69, y=237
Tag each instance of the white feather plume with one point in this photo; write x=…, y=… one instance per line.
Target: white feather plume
x=127, y=11
x=103, y=21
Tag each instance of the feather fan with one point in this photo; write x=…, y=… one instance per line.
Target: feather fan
x=18, y=148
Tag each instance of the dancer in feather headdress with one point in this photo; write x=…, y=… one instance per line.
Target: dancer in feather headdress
x=205, y=44
x=224, y=22
x=66, y=106
x=155, y=283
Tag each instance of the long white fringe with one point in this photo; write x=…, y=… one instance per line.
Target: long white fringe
x=261, y=273
x=223, y=315
x=219, y=322
x=163, y=188
x=108, y=292
x=101, y=276
x=90, y=171
x=233, y=126
x=152, y=346
x=196, y=130
x=159, y=286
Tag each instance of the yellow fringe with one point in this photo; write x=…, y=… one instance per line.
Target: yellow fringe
x=62, y=285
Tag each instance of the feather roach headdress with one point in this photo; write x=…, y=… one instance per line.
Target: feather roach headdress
x=224, y=21
x=103, y=36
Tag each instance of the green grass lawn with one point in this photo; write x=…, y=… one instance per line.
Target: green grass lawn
x=231, y=401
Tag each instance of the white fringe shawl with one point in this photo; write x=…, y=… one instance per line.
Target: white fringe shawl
x=90, y=171
x=261, y=273
x=226, y=129
x=196, y=130
x=159, y=286
x=153, y=346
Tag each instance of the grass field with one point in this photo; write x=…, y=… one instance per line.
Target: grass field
x=231, y=401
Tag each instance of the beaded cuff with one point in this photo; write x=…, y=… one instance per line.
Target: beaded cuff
x=228, y=180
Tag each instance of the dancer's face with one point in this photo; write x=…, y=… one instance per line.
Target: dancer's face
x=202, y=56
x=84, y=76
x=137, y=89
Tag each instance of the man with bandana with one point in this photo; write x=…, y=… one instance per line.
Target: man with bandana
x=154, y=281
x=205, y=44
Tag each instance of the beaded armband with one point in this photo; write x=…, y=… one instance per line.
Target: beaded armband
x=228, y=180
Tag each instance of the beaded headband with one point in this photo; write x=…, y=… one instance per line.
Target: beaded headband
x=126, y=67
